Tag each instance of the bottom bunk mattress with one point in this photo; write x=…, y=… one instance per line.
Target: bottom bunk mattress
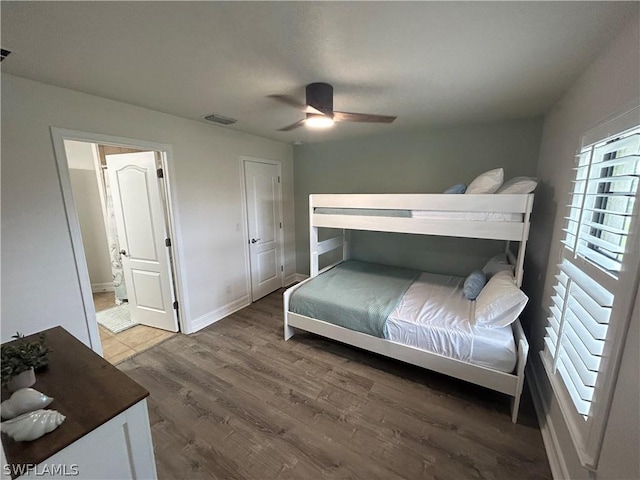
x=422, y=310
x=359, y=296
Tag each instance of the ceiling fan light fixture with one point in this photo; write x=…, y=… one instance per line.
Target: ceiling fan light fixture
x=319, y=109
x=318, y=121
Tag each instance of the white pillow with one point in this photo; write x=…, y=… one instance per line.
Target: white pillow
x=500, y=302
x=497, y=263
x=487, y=182
x=518, y=185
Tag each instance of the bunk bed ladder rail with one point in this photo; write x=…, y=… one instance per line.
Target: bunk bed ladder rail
x=314, y=255
x=318, y=248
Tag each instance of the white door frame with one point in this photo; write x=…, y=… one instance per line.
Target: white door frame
x=245, y=218
x=59, y=135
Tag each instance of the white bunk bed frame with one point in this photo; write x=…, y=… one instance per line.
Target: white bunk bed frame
x=508, y=383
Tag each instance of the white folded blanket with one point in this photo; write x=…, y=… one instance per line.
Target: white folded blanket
x=434, y=316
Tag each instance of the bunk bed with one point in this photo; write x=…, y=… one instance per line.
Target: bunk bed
x=485, y=216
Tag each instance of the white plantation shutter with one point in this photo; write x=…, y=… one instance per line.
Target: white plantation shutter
x=601, y=216
x=580, y=312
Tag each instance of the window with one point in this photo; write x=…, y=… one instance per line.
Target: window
x=595, y=286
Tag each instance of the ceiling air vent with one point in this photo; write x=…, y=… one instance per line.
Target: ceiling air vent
x=215, y=118
x=4, y=54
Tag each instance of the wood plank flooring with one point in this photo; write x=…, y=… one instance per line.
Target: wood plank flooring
x=235, y=401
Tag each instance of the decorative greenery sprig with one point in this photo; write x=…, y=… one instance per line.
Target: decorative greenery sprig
x=21, y=356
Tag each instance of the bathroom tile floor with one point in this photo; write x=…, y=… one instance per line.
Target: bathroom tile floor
x=117, y=347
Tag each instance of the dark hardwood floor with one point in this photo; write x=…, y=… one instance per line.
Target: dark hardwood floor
x=236, y=401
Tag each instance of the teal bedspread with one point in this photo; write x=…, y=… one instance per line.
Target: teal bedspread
x=366, y=212
x=356, y=295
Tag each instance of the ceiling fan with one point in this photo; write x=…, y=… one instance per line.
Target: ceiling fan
x=320, y=112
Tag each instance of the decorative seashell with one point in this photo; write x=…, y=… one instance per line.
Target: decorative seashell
x=30, y=426
x=23, y=401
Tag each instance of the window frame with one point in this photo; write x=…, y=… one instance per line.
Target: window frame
x=588, y=434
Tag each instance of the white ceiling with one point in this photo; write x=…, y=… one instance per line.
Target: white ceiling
x=429, y=63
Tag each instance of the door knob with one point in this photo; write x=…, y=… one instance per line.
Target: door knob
x=254, y=240
x=123, y=252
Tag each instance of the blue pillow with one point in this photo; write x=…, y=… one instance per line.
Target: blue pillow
x=459, y=188
x=473, y=284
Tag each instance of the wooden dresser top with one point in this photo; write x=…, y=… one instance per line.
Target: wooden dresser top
x=86, y=389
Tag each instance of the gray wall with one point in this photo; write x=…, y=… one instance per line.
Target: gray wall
x=426, y=161
x=609, y=85
x=86, y=197
x=94, y=236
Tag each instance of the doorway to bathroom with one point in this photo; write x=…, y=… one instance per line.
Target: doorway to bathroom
x=122, y=203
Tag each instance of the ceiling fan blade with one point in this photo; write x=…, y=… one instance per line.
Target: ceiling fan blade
x=293, y=126
x=310, y=109
x=292, y=102
x=361, y=117
x=289, y=100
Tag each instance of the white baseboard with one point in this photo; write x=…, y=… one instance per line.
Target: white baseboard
x=102, y=287
x=294, y=278
x=218, y=314
x=557, y=463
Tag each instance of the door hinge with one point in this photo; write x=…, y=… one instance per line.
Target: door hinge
x=278, y=178
x=282, y=268
x=280, y=224
x=175, y=305
x=167, y=242
x=160, y=173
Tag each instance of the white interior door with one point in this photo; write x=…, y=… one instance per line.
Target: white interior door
x=142, y=231
x=262, y=183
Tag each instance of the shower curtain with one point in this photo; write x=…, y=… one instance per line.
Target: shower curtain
x=114, y=245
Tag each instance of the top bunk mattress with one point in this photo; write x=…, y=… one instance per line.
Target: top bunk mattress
x=422, y=310
x=424, y=214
